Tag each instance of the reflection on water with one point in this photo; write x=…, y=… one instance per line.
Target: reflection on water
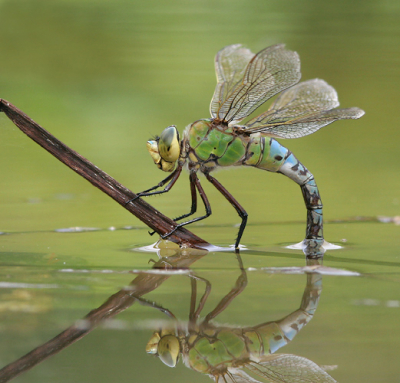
x=230, y=354
x=225, y=353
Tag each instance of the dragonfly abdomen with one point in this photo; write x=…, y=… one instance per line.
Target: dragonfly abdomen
x=265, y=153
x=270, y=155
x=296, y=171
x=265, y=339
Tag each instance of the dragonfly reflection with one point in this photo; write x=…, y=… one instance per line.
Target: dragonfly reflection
x=239, y=354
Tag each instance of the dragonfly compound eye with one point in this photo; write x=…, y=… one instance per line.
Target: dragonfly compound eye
x=168, y=144
x=168, y=350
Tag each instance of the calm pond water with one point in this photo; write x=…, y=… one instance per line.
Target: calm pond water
x=105, y=77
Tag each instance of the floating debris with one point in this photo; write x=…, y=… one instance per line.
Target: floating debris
x=376, y=302
x=34, y=200
x=64, y=196
x=16, y=285
x=384, y=219
x=76, y=229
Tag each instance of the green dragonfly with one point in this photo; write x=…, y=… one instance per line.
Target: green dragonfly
x=233, y=354
x=244, y=82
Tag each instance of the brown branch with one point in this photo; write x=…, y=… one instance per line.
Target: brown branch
x=142, y=210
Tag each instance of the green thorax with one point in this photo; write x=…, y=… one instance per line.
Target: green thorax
x=210, y=145
x=215, y=351
x=208, y=353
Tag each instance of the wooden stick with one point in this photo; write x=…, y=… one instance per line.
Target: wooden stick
x=142, y=210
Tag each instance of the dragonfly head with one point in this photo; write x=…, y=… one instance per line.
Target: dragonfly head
x=165, y=344
x=165, y=150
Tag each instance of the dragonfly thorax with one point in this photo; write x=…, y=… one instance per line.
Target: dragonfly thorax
x=165, y=150
x=212, y=143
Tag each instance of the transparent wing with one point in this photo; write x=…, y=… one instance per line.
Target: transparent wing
x=230, y=65
x=278, y=368
x=302, y=110
x=268, y=73
x=286, y=368
x=304, y=98
x=237, y=376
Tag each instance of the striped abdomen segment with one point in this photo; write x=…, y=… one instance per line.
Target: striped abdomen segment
x=295, y=170
x=270, y=337
x=265, y=153
x=268, y=154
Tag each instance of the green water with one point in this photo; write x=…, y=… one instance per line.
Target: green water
x=104, y=77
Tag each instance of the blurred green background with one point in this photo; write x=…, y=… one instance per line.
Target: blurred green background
x=104, y=77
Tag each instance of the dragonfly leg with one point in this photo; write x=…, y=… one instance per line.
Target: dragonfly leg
x=194, y=198
x=242, y=213
x=145, y=302
x=296, y=171
x=172, y=178
x=195, y=313
x=204, y=198
x=193, y=297
x=240, y=285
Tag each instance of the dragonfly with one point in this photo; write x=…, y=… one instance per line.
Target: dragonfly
x=245, y=81
x=236, y=354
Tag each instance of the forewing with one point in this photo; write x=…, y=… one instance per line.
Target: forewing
x=302, y=110
x=268, y=73
x=286, y=368
x=230, y=65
